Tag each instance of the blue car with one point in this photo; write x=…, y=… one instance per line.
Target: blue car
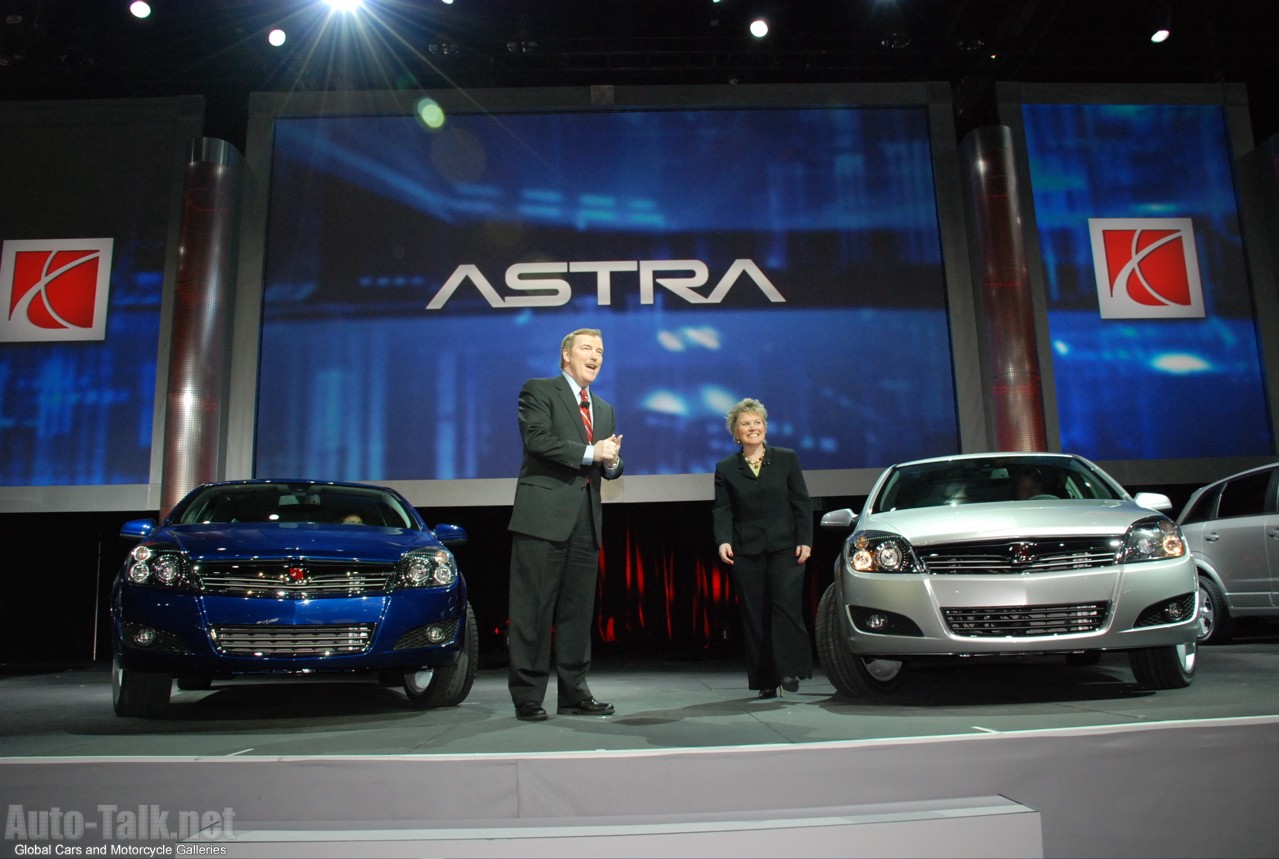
x=290, y=577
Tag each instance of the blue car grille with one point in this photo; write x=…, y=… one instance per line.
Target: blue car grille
x=277, y=640
x=1026, y=621
x=1021, y=556
x=294, y=579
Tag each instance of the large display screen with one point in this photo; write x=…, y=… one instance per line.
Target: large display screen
x=89, y=193
x=415, y=276
x=1154, y=342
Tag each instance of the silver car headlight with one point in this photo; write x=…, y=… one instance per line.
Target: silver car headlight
x=429, y=568
x=156, y=565
x=1153, y=539
x=880, y=552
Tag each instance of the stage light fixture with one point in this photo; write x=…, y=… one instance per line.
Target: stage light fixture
x=1163, y=29
x=276, y=37
x=345, y=5
x=759, y=28
x=139, y=9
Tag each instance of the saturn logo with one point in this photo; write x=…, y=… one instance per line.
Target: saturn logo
x=1022, y=554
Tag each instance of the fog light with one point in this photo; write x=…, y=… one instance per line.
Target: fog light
x=435, y=633
x=1175, y=611
x=876, y=622
x=144, y=636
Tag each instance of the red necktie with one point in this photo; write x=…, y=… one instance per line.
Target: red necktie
x=586, y=418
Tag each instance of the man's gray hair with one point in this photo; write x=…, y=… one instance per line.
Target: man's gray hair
x=569, y=338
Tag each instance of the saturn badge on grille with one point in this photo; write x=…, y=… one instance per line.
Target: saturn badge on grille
x=1022, y=554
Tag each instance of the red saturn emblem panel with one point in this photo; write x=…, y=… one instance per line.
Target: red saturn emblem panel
x=1146, y=268
x=54, y=289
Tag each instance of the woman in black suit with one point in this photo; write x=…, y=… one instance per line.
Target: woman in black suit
x=763, y=523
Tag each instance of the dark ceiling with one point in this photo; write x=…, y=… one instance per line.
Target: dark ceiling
x=51, y=49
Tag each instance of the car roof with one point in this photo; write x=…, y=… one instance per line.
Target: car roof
x=1237, y=474
x=281, y=481
x=993, y=454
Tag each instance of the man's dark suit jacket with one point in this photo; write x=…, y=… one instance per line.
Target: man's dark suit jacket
x=769, y=513
x=548, y=493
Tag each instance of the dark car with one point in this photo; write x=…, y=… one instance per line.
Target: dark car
x=290, y=578
x=1232, y=526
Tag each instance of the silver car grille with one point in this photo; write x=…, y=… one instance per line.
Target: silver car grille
x=276, y=640
x=1026, y=621
x=1021, y=556
x=283, y=579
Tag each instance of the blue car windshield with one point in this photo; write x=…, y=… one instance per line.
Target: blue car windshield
x=296, y=502
x=1016, y=478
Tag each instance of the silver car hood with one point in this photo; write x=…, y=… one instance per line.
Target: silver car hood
x=1011, y=520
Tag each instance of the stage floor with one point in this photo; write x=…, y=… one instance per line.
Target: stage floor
x=660, y=705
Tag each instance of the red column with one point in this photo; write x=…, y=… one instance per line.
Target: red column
x=201, y=321
x=1010, y=351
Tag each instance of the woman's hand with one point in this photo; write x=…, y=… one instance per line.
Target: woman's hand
x=802, y=553
x=726, y=553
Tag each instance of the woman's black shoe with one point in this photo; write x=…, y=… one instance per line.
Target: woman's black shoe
x=767, y=693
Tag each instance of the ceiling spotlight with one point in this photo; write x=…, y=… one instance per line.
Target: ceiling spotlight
x=759, y=28
x=895, y=41
x=276, y=37
x=345, y=5
x=140, y=9
x=1163, y=29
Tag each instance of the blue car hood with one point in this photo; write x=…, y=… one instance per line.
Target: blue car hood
x=241, y=541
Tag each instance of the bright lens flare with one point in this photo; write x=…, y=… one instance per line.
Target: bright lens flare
x=431, y=114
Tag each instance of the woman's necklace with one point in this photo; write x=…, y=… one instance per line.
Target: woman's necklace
x=756, y=461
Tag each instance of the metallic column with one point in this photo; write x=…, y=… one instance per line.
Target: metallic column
x=1010, y=354
x=198, y=359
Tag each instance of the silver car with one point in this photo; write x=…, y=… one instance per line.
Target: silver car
x=1006, y=553
x=1232, y=527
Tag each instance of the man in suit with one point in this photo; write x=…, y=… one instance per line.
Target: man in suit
x=570, y=446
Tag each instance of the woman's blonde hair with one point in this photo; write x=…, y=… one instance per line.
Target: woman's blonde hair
x=750, y=404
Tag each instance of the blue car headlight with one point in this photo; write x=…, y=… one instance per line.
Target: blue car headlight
x=880, y=552
x=428, y=568
x=1153, y=539
x=150, y=564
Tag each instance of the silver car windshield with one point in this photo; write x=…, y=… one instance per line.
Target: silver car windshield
x=297, y=502
x=996, y=479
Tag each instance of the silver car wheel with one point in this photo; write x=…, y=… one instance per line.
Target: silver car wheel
x=882, y=670
x=1215, y=624
x=419, y=680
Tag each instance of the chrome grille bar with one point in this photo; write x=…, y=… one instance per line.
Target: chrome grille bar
x=272, y=579
x=1020, y=556
x=292, y=640
x=1026, y=621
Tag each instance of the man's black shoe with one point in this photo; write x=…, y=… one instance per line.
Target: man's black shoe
x=587, y=707
x=530, y=711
